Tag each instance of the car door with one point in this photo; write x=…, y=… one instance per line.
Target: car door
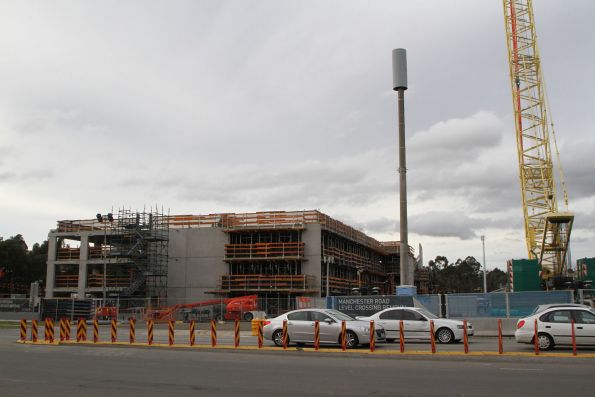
x=557, y=324
x=415, y=325
x=299, y=326
x=329, y=328
x=389, y=319
x=584, y=328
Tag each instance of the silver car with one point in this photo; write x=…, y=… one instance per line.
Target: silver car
x=300, y=328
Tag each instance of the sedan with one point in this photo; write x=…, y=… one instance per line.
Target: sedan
x=300, y=328
x=554, y=326
x=416, y=325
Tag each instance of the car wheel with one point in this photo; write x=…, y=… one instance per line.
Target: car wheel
x=278, y=338
x=248, y=316
x=545, y=342
x=351, y=340
x=444, y=335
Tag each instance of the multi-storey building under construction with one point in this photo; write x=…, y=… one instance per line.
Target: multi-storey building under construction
x=275, y=255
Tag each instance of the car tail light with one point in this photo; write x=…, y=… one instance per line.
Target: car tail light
x=267, y=322
x=520, y=324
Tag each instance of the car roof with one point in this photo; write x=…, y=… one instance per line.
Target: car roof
x=542, y=308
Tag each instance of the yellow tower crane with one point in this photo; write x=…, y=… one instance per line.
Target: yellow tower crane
x=547, y=231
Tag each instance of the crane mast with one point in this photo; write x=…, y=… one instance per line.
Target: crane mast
x=547, y=231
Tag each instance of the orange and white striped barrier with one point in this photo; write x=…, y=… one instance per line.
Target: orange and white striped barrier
x=432, y=337
x=316, y=335
x=343, y=335
x=236, y=333
x=401, y=337
x=260, y=335
x=81, y=330
x=114, y=330
x=23, y=330
x=33, y=330
x=465, y=338
x=372, y=336
x=573, y=338
x=536, y=338
x=150, y=332
x=49, y=327
x=95, y=330
x=191, y=332
x=500, y=347
x=213, y=333
x=284, y=335
x=132, y=330
x=62, y=329
x=46, y=330
x=67, y=328
x=170, y=333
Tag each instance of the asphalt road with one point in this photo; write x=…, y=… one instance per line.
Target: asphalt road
x=50, y=371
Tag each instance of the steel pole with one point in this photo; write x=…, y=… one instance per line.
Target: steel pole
x=485, y=284
x=404, y=271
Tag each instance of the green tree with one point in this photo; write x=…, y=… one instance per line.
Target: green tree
x=496, y=279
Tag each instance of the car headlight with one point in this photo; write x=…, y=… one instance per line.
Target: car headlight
x=459, y=326
x=366, y=329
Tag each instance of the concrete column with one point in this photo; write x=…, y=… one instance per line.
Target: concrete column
x=50, y=274
x=84, y=256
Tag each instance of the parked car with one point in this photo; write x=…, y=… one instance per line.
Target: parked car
x=554, y=326
x=540, y=308
x=300, y=328
x=416, y=325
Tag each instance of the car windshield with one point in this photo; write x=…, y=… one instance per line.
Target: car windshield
x=339, y=316
x=428, y=314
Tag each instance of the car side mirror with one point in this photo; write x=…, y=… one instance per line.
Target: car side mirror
x=328, y=320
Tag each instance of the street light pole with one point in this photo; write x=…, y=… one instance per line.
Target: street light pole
x=485, y=284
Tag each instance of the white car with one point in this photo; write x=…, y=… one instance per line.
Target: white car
x=554, y=326
x=416, y=325
x=300, y=328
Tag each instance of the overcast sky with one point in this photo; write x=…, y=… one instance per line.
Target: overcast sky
x=233, y=106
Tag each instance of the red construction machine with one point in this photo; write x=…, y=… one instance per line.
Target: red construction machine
x=239, y=308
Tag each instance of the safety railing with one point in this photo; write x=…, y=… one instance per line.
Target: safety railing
x=264, y=251
x=261, y=282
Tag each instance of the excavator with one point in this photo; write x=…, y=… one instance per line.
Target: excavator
x=238, y=308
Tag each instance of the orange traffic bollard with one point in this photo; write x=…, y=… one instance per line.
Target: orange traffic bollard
x=114, y=330
x=23, y=330
x=432, y=338
x=500, y=348
x=132, y=331
x=465, y=339
x=372, y=336
x=260, y=335
x=81, y=330
x=343, y=335
x=236, y=333
x=171, y=332
x=62, y=329
x=50, y=329
x=191, y=333
x=316, y=335
x=285, y=336
x=67, y=328
x=34, y=331
x=150, y=332
x=536, y=338
x=95, y=330
x=401, y=336
x=573, y=338
x=213, y=333
x=46, y=330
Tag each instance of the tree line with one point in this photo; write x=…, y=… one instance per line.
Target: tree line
x=465, y=275
x=19, y=265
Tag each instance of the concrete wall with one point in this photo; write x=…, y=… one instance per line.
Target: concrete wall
x=311, y=236
x=195, y=263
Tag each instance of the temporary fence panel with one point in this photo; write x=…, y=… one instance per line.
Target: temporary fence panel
x=429, y=302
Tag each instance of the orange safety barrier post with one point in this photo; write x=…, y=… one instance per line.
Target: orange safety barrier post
x=465, y=338
x=213, y=333
x=284, y=336
x=62, y=329
x=191, y=332
x=536, y=338
x=149, y=332
x=46, y=330
x=343, y=335
x=170, y=333
x=81, y=330
x=236, y=333
x=34, y=331
x=95, y=330
x=23, y=330
x=401, y=336
x=67, y=328
x=372, y=336
x=316, y=335
x=114, y=330
x=50, y=328
x=500, y=348
x=132, y=332
x=573, y=338
x=260, y=335
x=432, y=337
